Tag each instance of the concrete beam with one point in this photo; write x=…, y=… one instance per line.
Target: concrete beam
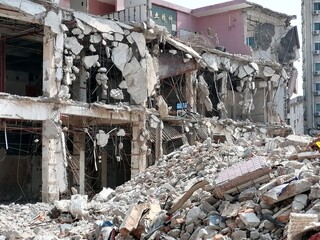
x=38, y=109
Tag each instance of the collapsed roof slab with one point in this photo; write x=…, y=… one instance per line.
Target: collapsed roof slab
x=24, y=10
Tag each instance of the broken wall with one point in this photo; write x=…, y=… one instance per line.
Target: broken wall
x=225, y=29
x=270, y=34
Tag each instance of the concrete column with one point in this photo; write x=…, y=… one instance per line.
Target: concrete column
x=49, y=88
x=2, y=64
x=79, y=155
x=50, y=187
x=224, y=94
x=104, y=169
x=190, y=91
x=158, y=141
x=138, y=148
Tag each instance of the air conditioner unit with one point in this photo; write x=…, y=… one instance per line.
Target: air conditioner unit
x=316, y=73
x=317, y=114
x=316, y=32
x=316, y=12
x=316, y=52
x=317, y=93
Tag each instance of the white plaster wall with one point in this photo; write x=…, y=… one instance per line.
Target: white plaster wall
x=296, y=117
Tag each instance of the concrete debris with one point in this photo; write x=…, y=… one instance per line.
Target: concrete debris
x=140, y=41
x=116, y=94
x=95, y=38
x=121, y=55
x=53, y=21
x=243, y=195
x=73, y=44
x=268, y=71
x=102, y=25
x=89, y=61
x=102, y=138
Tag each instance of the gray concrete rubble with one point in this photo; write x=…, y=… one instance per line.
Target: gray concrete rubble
x=279, y=192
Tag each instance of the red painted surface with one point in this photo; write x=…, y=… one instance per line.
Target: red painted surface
x=100, y=8
x=2, y=66
x=65, y=3
x=94, y=7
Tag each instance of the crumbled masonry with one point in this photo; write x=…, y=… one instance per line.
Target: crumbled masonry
x=260, y=211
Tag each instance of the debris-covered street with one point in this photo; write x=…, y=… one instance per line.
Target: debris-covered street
x=256, y=188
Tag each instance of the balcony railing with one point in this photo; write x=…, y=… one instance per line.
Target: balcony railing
x=137, y=13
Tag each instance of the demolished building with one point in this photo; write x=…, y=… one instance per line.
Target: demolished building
x=88, y=102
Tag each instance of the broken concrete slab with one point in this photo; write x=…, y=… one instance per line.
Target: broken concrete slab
x=102, y=25
x=118, y=37
x=121, y=55
x=211, y=60
x=95, y=38
x=53, y=20
x=90, y=61
x=183, y=47
x=287, y=190
x=299, y=202
x=250, y=219
x=131, y=67
x=72, y=44
x=241, y=72
x=268, y=71
x=108, y=36
x=140, y=41
x=137, y=86
x=31, y=8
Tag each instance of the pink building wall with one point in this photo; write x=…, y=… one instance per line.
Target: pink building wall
x=229, y=27
x=185, y=21
x=95, y=7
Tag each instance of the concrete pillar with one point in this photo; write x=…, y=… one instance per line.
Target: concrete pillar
x=79, y=155
x=158, y=141
x=138, y=148
x=50, y=87
x=2, y=65
x=190, y=91
x=224, y=94
x=104, y=169
x=50, y=187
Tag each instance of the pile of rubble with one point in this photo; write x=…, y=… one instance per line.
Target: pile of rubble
x=265, y=190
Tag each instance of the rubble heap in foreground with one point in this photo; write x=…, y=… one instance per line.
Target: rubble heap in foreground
x=260, y=190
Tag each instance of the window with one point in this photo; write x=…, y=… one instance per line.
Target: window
x=317, y=46
x=316, y=6
x=317, y=66
x=316, y=26
x=317, y=107
x=250, y=41
x=317, y=87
